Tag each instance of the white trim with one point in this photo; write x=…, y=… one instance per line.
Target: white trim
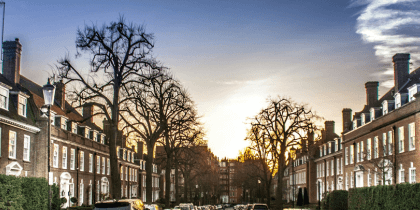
x=18, y=124
x=14, y=168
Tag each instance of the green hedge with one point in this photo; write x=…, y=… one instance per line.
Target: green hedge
x=325, y=202
x=21, y=193
x=338, y=200
x=401, y=196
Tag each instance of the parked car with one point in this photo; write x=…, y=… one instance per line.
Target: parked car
x=259, y=206
x=124, y=204
x=151, y=207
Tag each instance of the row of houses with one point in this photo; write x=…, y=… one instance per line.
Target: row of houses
x=79, y=151
x=378, y=145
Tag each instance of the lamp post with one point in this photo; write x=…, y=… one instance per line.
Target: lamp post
x=259, y=191
x=49, y=92
x=293, y=174
x=319, y=195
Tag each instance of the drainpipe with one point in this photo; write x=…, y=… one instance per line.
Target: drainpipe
x=335, y=173
x=395, y=155
x=354, y=161
x=77, y=173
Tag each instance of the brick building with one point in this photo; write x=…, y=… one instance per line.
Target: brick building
x=79, y=154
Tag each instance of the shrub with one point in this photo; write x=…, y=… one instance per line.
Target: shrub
x=305, y=196
x=338, y=200
x=73, y=199
x=299, y=198
x=325, y=201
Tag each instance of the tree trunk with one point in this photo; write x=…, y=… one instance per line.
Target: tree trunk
x=149, y=168
x=177, y=196
x=185, y=188
x=279, y=191
x=268, y=194
x=168, y=180
x=115, y=168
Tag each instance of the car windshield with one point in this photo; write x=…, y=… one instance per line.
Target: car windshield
x=260, y=207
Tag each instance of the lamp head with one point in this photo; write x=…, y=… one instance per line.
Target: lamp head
x=49, y=93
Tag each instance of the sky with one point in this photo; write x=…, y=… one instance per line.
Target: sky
x=233, y=55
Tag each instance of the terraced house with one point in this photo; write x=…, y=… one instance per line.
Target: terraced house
x=79, y=154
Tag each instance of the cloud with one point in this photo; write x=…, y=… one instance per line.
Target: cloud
x=393, y=26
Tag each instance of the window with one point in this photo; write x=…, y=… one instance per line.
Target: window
x=338, y=166
x=402, y=178
x=74, y=127
x=132, y=157
x=124, y=154
x=357, y=152
x=26, y=147
x=346, y=151
x=128, y=156
x=347, y=182
x=376, y=147
x=368, y=149
x=103, y=165
x=369, y=178
x=411, y=91
x=64, y=161
x=329, y=147
x=390, y=142
x=351, y=181
x=328, y=168
x=108, y=169
x=98, y=164
x=21, y=105
x=412, y=171
x=332, y=167
x=4, y=98
x=320, y=151
x=351, y=154
x=341, y=166
x=361, y=151
x=90, y=163
x=401, y=139
x=411, y=137
x=336, y=144
x=12, y=144
x=126, y=173
x=82, y=161
x=81, y=192
x=325, y=149
x=118, y=152
x=384, y=144
x=72, y=158
x=385, y=107
x=55, y=155
x=102, y=139
x=122, y=173
x=397, y=100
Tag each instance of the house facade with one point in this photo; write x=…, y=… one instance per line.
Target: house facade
x=79, y=151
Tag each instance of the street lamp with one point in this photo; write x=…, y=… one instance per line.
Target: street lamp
x=293, y=174
x=259, y=191
x=49, y=92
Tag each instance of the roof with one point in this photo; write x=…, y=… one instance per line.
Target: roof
x=414, y=78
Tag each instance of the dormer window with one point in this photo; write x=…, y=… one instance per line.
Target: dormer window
x=336, y=144
x=128, y=156
x=397, y=100
x=74, y=127
x=325, y=149
x=87, y=132
x=94, y=135
x=329, y=147
x=320, y=151
x=412, y=91
x=4, y=98
x=124, y=154
x=132, y=157
x=102, y=138
x=118, y=152
x=22, y=105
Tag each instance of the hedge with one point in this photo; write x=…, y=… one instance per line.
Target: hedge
x=21, y=193
x=400, y=196
x=338, y=200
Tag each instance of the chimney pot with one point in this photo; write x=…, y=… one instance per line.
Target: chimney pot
x=11, y=60
x=371, y=93
x=346, y=119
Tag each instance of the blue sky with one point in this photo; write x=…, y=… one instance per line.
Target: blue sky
x=233, y=55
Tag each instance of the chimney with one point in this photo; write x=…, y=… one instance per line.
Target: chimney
x=371, y=93
x=329, y=129
x=11, y=60
x=60, y=94
x=88, y=113
x=401, y=69
x=347, y=122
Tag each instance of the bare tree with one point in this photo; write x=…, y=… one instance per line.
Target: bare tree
x=284, y=124
x=265, y=162
x=119, y=52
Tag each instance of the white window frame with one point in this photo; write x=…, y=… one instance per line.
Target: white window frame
x=376, y=147
x=397, y=100
x=361, y=150
x=90, y=162
x=346, y=151
x=64, y=160
x=82, y=188
x=369, y=178
x=98, y=164
x=411, y=136
x=12, y=144
x=401, y=174
x=384, y=144
x=82, y=161
x=401, y=139
x=328, y=168
x=332, y=167
x=108, y=168
x=357, y=152
x=55, y=155
x=103, y=165
x=351, y=154
x=390, y=142
x=384, y=107
x=411, y=170
x=22, y=105
x=72, y=158
x=369, y=148
x=26, y=148
x=412, y=91
x=4, y=93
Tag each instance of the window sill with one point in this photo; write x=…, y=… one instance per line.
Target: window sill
x=26, y=161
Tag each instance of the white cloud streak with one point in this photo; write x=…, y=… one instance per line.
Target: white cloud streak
x=393, y=26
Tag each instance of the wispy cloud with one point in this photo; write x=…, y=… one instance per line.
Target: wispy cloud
x=393, y=26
